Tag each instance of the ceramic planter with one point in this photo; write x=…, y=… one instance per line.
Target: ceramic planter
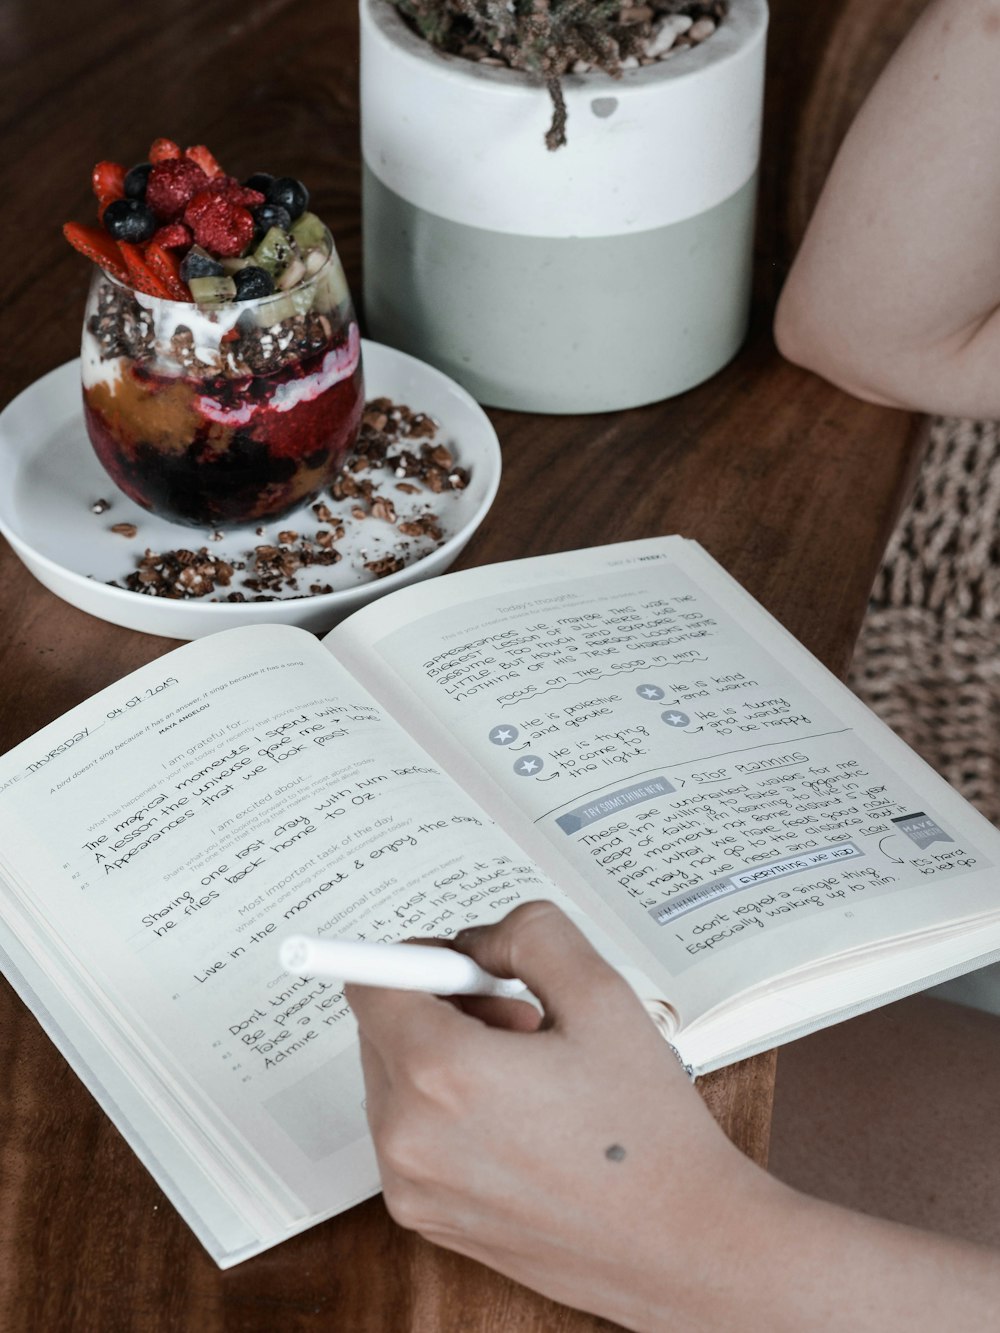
x=609, y=273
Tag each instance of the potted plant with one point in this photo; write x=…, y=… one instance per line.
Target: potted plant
x=559, y=195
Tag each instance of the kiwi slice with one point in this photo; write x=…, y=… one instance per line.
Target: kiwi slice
x=309, y=233
x=285, y=305
x=331, y=286
x=274, y=251
x=234, y=264
x=212, y=291
x=277, y=309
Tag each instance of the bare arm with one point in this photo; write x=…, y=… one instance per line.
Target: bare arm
x=574, y=1156
x=895, y=293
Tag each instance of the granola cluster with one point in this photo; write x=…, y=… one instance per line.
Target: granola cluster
x=249, y=349
x=124, y=327
x=121, y=326
x=387, y=430
x=180, y=574
x=396, y=456
x=265, y=351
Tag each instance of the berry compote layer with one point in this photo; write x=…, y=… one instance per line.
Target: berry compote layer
x=226, y=413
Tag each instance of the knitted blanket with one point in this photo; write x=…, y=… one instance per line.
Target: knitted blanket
x=928, y=657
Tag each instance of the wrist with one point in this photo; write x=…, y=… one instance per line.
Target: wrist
x=709, y=1258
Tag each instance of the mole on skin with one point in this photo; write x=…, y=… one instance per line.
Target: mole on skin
x=615, y=1153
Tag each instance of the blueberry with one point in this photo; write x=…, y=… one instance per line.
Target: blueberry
x=290, y=194
x=196, y=264
x=129, y=220
x=252, y=282
x=135, y=180
x=260, y=181
x=266, y=216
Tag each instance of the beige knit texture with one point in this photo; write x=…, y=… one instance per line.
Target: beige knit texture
x=928, y=657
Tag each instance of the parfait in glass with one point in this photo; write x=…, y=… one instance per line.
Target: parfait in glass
x=221, y=358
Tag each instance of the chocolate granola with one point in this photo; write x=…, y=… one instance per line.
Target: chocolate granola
x=121, y=326
x=124, y=327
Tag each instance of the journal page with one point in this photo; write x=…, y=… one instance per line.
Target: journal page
x=159, y=842
x=688, y=766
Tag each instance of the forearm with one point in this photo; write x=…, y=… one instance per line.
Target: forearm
x=761, y=1258
x=570, y=1153
x=812, y=1265
x=895, y=291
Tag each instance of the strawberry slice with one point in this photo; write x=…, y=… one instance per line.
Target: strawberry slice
x=108, y=181
x=99, y=247
x=200, y=154
x=164, y=150
x=167, y=269
x=140, y=275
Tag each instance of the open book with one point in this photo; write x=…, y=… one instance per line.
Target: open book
x=622, y=729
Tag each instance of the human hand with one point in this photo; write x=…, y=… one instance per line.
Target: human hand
x=567, y=1151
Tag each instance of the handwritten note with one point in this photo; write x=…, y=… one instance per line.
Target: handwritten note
x=194, y=828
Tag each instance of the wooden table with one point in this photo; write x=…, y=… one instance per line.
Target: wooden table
x=791, y=485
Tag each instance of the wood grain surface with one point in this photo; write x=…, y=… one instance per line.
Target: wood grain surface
x=791, y=485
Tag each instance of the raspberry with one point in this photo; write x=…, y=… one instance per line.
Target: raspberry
x=219, y=225
x=173, y=236
x=222, y=184
x=172, y=185
x=248, y=198
x=230, y=188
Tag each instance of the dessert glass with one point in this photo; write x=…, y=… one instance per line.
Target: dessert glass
x=223, y=414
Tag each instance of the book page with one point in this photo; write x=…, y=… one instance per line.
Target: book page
x=159, y=842
x=684, y=760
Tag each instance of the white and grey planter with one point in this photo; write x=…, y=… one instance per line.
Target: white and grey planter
x=612, y=272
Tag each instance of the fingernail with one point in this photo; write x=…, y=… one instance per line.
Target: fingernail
x=467, y=935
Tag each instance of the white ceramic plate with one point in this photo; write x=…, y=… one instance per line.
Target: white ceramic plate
x=50, y=479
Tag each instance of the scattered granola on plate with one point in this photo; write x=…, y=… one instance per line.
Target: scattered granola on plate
x=386, y=509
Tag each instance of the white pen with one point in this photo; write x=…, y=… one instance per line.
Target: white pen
x=397, y=966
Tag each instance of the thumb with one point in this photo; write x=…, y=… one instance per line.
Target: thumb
x=538, y=943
